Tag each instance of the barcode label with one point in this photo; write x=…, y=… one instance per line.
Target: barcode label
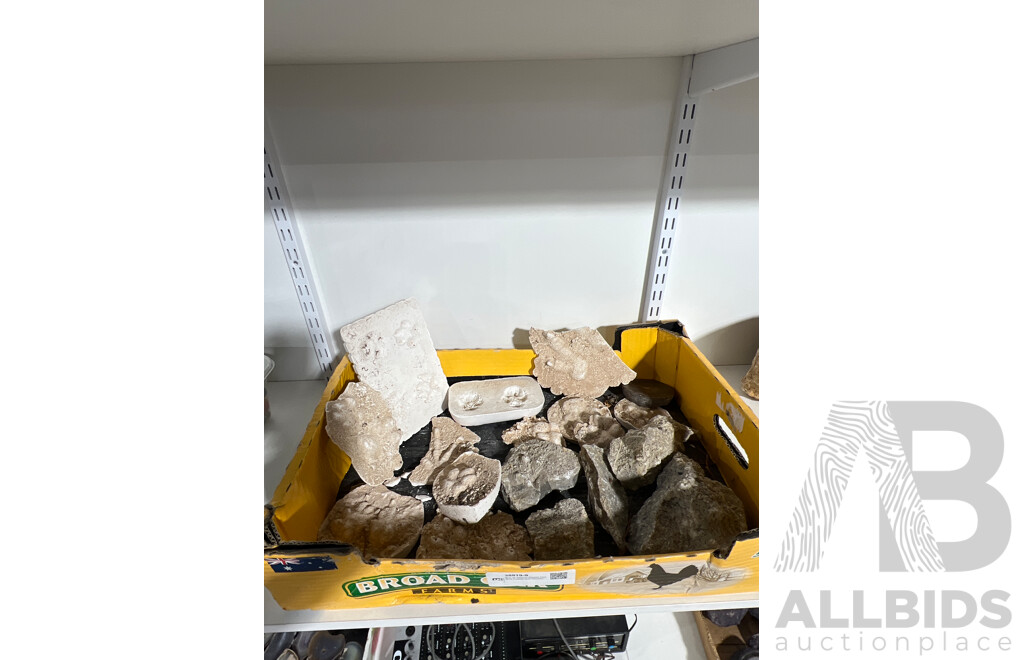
x=532, y=578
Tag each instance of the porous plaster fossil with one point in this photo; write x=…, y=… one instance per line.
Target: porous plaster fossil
x=448, y=440
x=475, y=402
x=562, y=532
x=633, y=416
x=466, y=488
x=360, y=422
x=584, y=421
x=375, y=520
x=533, y=469
x=496, y=537
x=577, y=362
x=532, y=427
x=391, y=351
x=608, y=499
x=687, y=512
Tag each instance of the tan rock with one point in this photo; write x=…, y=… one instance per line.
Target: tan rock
x=375, y=520
x=360, y=422
x=585, y=421
x=577, y=362
x=532, y=427
x=496, y=537
x=448, y=441
x=750, y=381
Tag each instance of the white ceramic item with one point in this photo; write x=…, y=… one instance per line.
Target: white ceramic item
x=475, y=402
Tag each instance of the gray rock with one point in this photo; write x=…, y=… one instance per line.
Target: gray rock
x=607, y=497
x=496, y=537
x=687, y=512
x=561, y=532
x=649, y=393
x=533, y=469
x=636, y=457
x=681, y=432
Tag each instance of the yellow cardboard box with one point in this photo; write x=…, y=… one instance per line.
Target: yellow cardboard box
x=302, y=574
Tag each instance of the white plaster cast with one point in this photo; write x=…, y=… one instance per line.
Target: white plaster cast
x=391, y=351
x=467, y=487
x=475, y=402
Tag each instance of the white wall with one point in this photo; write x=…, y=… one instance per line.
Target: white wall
x=500, y=194
x=712, y=284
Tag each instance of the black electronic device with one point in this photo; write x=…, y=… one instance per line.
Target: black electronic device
x=591, y=634
x=489, y=641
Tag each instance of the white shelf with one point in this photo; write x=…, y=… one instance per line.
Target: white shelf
x=291, y=407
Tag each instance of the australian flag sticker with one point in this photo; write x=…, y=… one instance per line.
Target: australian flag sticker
x=301, y=564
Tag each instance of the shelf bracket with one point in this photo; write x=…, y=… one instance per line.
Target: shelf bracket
x=722, y=67
x=667, y=212
x=277, y=207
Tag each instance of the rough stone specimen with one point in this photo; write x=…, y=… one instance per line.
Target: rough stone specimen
x=577, y=362
x=561, y=532
x=375, y=520
x=360, y=422
x=496, y=537
x=448, y=440
x=750, y=381
x=682, y=432
x=475, y=402
x=391, y=351
x=607, y=497
x=633, y=416
x=636, y=457
x=532, y=427
x=584, y=421
x=687, y=512
x=466, y=488
x=648, y=393
x=533, y=469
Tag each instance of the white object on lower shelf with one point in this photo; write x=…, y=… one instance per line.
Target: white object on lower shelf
x=475, y=402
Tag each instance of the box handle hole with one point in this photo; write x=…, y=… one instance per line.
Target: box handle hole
x=731, y=441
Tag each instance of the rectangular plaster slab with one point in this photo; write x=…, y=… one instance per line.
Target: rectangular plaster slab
x=476, y=402
x=391, y=351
